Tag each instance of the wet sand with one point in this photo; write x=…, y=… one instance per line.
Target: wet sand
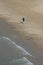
x=28, y=35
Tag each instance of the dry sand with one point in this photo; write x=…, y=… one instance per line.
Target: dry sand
x=30, y=34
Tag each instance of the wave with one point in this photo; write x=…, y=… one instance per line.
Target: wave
x=12, y=54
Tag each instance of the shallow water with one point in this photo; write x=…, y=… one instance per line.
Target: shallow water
x=11, y=54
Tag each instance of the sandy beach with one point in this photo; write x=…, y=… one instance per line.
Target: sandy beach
x=28, y=35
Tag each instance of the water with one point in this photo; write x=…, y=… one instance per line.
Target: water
x=12, y=54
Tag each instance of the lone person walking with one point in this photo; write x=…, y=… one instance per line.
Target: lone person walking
x=23, y=20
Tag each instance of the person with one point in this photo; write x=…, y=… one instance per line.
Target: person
x=23, y=19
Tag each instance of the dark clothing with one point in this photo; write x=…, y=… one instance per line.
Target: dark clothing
x=23, y=19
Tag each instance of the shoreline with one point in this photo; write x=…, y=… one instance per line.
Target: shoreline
x=28, y=35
